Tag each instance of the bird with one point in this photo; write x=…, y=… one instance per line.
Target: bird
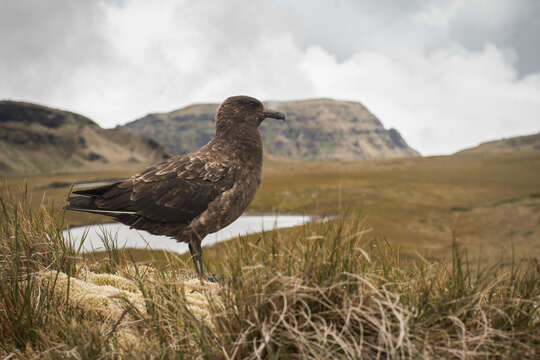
x=187, y=197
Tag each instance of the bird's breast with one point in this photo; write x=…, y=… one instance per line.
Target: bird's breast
x=247, y=186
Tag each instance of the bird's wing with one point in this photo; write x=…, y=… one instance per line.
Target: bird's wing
x=177, y=190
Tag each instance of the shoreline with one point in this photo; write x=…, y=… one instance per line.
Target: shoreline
x=132, y=238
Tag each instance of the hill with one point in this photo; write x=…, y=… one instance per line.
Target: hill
x=39, y=139
x=317, y=129
x=518, y=143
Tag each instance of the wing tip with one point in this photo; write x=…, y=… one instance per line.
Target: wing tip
x=93, y=190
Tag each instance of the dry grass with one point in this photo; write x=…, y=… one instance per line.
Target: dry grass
x=322, y=291
x=491, y=201
x=55, y=187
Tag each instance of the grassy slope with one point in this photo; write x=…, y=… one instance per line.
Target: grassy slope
x=491, y=201
x=322, y=291
x=488, y=200
x=517, y=143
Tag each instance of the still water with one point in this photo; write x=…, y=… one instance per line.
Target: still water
x=131, y=238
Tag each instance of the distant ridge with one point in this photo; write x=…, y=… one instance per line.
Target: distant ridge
x=38, y=139
x=316, y=129
x=517, y=143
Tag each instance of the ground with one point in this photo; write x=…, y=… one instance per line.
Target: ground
x=422, y=259
x=489, y=202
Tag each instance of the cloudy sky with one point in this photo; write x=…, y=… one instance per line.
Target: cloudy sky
x=447, y=74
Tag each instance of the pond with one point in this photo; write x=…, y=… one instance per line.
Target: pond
x=131, y=238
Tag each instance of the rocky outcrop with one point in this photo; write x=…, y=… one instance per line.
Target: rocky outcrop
x=316, y=129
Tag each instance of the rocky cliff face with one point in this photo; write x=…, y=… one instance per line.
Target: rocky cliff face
x=317, y=129
x=38, y=139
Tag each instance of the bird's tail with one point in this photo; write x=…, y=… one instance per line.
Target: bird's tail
x=81, y=203
x=87, y=204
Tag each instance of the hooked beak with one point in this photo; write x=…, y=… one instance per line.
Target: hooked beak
x=274, y=115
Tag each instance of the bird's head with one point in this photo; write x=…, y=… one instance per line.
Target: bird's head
x=243, y=113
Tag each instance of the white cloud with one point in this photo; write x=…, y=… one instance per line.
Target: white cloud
x=442, y=101
x=138, y=57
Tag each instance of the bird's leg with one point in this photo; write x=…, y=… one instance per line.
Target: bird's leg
x=199, y=250
x=196, y=255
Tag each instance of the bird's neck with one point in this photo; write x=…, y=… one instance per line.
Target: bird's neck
x=244, y=143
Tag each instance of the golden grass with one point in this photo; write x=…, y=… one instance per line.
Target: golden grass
x=55, y=187
x=321, y=291
x=490, y=202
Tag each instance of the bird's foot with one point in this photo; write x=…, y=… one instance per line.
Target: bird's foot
x=215, y=278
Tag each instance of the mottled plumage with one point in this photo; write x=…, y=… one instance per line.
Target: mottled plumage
x=190, y=196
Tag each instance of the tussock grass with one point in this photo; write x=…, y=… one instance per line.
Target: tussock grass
x=321, y=292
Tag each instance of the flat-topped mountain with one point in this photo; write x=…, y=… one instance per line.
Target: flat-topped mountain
x=317, y=129
x=518, y=143
x=38, y=139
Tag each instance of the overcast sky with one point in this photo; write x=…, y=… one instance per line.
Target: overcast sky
x=447, y=74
